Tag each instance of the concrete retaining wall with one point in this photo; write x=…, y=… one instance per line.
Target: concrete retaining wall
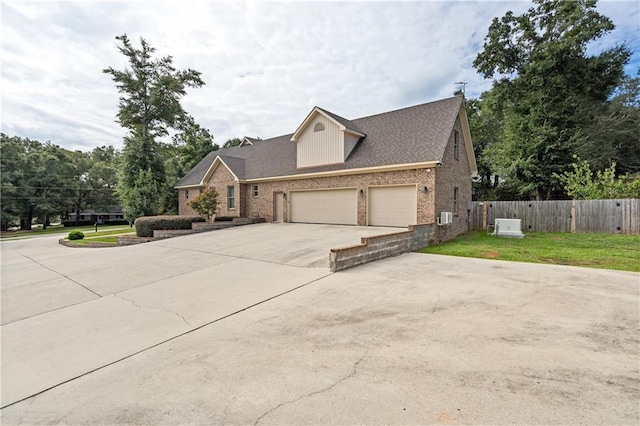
x=237, y=221
x=160, y=234
x=381, y=246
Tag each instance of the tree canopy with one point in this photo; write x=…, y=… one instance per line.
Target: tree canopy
x=547, y=90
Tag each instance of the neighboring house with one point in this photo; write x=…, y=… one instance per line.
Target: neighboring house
x=100, y=215
x=398, y=168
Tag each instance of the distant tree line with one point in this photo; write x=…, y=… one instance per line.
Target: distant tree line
x=41, y=181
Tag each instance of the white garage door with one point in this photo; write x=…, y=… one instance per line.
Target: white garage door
x=332, y=206
x=393, y=205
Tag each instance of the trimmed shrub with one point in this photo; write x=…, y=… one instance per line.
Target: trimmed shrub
x=70, y=223
x=147, y=224
x=75, y=235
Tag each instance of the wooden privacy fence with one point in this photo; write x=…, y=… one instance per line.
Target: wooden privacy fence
x=597, y=216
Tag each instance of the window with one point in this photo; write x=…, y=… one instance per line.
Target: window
x=456, y=145
x=318, y=127
x=231, y=197
x=186, y=195
x=254, y=190
x=200, y=191
x=455, y=200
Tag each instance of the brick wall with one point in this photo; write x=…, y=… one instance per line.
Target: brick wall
x=262, y=205
x=183, y=208
x=453, y=173
x=220, y=179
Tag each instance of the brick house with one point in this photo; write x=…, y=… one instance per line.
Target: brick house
x=399, y=168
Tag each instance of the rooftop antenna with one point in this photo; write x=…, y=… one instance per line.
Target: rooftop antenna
x=463, y=86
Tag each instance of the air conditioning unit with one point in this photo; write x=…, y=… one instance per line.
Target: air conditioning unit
x=446, y=218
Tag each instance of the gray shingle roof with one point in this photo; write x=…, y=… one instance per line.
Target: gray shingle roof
x=410, y=135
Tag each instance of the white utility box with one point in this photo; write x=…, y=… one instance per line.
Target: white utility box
x=446, y=218
x=508, y=228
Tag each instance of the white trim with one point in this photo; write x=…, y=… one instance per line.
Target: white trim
x=353, y=132
x=211, y=169
x=347, y=172
x=245, y=141
x=312, y=115
x=466, y=134
x=189, y=186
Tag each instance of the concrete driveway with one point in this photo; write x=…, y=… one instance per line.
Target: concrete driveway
x=248, y=326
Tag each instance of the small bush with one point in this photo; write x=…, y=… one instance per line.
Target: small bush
x=76, y=235
x=205, y=204
x=147, y=224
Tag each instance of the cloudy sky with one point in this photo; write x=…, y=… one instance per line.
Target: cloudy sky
x=265, y=64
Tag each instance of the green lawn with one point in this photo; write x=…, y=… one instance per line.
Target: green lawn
x=85, y=241
x=59, y=229
x=621, y=252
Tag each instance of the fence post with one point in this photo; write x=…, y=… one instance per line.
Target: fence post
x=573, y=216
x=484, y=215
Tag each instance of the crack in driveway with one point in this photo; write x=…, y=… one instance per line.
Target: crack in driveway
x=435, y=305
x=153, y=307
x=306, y=395
x=59, y=273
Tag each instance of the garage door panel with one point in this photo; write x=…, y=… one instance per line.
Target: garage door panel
x=393, y=205
x=336, y=206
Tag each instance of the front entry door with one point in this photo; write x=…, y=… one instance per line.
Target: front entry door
x=278, y=207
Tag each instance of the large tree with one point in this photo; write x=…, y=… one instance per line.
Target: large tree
x=614, y=133
x=151, y=90
x=548, y=86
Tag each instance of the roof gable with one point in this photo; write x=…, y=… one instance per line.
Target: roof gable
x=342, y=123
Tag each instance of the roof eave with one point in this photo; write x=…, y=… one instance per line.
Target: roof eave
x=346, y=172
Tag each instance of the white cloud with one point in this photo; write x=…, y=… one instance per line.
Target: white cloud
x=265, y=64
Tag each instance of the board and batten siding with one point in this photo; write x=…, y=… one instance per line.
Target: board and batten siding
x=618, y=216
x=323, y=147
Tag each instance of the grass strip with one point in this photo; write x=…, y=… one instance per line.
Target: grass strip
x=604, y=251
x=84, y=242
x=59, y=229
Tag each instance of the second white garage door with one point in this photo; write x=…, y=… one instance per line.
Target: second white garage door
x=392, y=205
x=332, y=206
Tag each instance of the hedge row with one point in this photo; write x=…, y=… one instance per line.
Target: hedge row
x=147, y=224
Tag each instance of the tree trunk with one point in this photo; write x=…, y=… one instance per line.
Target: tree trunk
x=25, y=220
x=77, y=213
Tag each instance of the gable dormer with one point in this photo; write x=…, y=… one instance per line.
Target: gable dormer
x=324, y=138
